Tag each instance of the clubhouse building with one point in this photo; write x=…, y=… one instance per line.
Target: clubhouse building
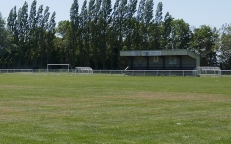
x=179, y=59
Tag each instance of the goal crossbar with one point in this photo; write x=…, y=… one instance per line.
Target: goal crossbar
x=209, y=71
x=68, y=66
x=86, y=70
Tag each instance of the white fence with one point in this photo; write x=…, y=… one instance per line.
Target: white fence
x=148, y=72
x=111, y=72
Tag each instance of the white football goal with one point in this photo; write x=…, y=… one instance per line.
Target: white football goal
x=58, y=68
x=208, y=71
x=83, y=70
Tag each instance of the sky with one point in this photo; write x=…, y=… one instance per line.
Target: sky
x=213, y=13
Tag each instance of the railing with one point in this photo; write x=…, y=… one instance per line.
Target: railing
x=192, y=73
x=148, y=72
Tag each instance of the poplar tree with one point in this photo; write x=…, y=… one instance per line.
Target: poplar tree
x=5, y=46
x=12, y=23
x=30, y=35
x=157, y=28
x=74, y=30
x=50, y=38
x=104, y=23
x=12, y=28
x=4, y=37
x=43, y=36
x=83, y=27
x=130, y=24
x=32, y=24
x=120, y=13
x=167, y=28
x=147, y=21
x=96, y=29
x=32, y=17
x=158, y=16
x=24, y=23
x=139, y=24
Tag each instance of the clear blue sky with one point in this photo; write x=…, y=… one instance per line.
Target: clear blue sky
x=195, y=12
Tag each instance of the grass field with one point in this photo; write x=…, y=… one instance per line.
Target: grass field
x=114, y=109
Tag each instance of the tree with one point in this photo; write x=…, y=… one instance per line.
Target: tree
x=31, y=35
x=180, y=34
x=203, y=43
x=139, y=22
x=156, y=32
x=83, y=53
x=130, y=24
x=103, y=26
x=74, y=29
x=63, y=29
x=4, y=36
x=22, y=29
x=119, y=16
x=12, y=24
x=32, y=17
x=224, y=46
x=158, y=16
x=147, y=21
x=50, y=38
x=167, y=28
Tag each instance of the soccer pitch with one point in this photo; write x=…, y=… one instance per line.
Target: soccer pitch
x=114, y=109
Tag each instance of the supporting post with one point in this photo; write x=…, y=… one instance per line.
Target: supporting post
x=180, y=57
x=147, y=63
x=132, y=63
x=163, y=62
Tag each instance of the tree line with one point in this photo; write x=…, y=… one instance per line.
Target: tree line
x=98, y=31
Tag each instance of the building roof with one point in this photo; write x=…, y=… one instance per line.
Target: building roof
x=158, y=53
x=151, y=53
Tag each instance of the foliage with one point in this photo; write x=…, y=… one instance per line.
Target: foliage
x=204, y=43
x=5, y=45
x=180, y=35
x=32, y=37
x=95, y=35
x=224, y=45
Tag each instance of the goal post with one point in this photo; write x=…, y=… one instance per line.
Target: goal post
x=83, y=70
x=67, y=65
x=208, y=71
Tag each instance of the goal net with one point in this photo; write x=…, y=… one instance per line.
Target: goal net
x=208, y=71
x=83, y=70
x=58, y=69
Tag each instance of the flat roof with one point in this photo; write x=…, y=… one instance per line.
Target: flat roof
x=157, y=52
x=152, y=53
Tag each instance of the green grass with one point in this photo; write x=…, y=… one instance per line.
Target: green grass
x=114, y=109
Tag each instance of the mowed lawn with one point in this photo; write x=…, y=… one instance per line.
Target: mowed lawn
x=114, y=109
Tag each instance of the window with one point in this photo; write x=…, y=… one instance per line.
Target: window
x=172, y=60
x=155, y=59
